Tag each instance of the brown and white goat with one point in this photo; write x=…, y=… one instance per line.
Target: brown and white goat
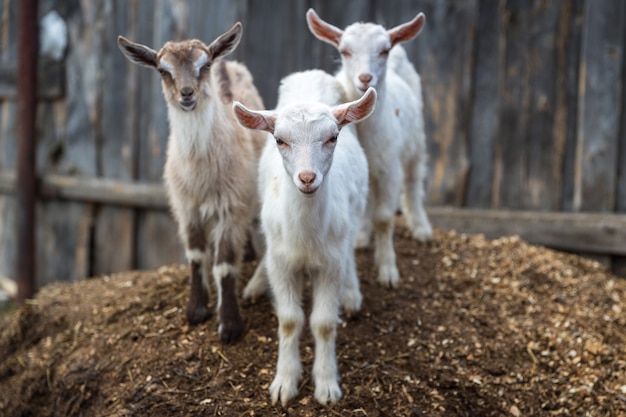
x=211, y=166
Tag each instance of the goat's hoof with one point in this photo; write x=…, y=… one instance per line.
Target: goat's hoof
x=327, y=392
x=388, y=276
x=351, y=303
x=283, y=389
x=252, y=294
x=423, y=233
x=231, y=330
x=197, y=315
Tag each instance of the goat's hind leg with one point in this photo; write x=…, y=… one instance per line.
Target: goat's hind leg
x=413, y=200
x=387, y=194
x=258, y=284
x=351, y=297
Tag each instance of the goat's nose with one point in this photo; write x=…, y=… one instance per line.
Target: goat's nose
x=307, y=177
x=365, y=78
x=186, y=92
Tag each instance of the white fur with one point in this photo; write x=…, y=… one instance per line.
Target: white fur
x=310, y=235
x=393, y=137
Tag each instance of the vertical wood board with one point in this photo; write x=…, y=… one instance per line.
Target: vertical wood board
x=600, y=90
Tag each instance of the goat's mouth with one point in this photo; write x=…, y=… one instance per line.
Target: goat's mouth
x=362, y=87
x=308, y=190
x=187, y=105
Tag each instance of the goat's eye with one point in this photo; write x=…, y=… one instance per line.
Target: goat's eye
x=345, y=53
x=384, y=53
x=280, y=142
x=332, y=139
x=206, y=67
x=164, y=73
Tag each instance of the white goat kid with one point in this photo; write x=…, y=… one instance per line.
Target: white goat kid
x=393, y=137
x=211, y=167
x=313, y=181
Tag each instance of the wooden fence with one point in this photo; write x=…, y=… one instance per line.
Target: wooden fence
x=525, y=108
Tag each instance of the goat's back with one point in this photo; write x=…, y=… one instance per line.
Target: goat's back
x=236, y=84
x=312, y=85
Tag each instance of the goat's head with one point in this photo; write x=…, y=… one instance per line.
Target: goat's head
x=184, y=66
x=364, y=47
x=306, y=134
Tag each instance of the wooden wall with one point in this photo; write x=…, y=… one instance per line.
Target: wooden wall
x=525, y=107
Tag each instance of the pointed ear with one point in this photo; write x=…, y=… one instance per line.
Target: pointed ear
x=322, y=30
x=137, y=53
x=355, y=111
x=227, y=42
x=255, y=119
x=407, y=31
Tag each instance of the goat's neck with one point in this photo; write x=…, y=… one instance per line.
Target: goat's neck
x=193, y=132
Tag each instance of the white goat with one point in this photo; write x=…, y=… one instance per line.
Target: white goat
x=211, y=167
x=393, y=137
x=313, y=181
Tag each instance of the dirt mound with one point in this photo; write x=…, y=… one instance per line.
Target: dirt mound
x=477, y=328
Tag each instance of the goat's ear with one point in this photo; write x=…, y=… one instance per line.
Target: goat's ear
x=322, y=30
x=255, y=119
x=355, y=110
x=137, y=53
x=407, y=31
x=227, y=42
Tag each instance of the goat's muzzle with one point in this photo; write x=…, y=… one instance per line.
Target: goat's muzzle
x=187, y=100
x=307, y=183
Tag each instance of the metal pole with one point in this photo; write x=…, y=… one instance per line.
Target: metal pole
x=26, y=183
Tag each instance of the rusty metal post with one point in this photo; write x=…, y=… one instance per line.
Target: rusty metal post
x=26, y=182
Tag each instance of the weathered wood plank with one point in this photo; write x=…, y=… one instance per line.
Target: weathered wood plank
x=529, y=161
x=50, y=81
x=116, y=149
x=8, y=133
x=484, y=120
x=542, y=186
x=601, y=86
x=7, y=236
x=95, y=190
x=272, y=28
x=64, y=228
x=583, y=232
x=442, y=56
x=63, y=236
x=573, y=47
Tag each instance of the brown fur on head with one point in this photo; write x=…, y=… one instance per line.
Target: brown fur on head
x=184, y=66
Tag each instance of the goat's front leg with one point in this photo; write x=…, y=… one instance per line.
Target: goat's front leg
x=324, y=316
x=225, y=274
x=287, y=290
x=197, y=308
